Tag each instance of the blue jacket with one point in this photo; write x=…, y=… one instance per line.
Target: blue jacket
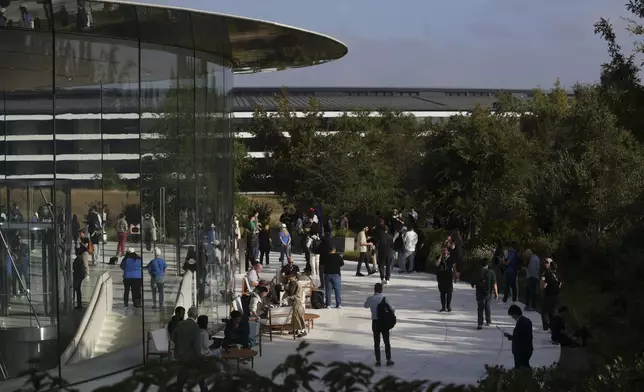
x=132, y=268
x=514, y=261
x=157, y=267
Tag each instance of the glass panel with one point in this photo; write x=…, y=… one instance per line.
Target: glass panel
x=24, y=14
x=29, y=312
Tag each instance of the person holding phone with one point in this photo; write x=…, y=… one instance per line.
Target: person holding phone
x=521, y=338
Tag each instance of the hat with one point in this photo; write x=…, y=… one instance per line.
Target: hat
x=157, y=252
x=131, y=250
x=283, y=225
x=548, y=260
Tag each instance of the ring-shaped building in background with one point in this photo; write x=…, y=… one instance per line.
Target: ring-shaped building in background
x=67, y=69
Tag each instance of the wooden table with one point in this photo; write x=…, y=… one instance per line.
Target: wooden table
x=239, y=355
x=310, y=318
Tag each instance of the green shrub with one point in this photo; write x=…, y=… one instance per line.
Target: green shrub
x=344, y=233
x=351, y=255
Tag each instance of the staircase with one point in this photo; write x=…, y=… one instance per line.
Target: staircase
x=118, y=332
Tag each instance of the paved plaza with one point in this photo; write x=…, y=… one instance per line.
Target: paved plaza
x=427, y=344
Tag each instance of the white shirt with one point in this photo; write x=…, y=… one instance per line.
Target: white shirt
x=362, y=239
x=205, y=343
x=253, y=276
x=411, y=239
x=372, y=303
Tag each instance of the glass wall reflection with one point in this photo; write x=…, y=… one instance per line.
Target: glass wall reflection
x=115, y=153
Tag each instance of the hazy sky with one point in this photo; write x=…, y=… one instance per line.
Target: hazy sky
x=440, y=43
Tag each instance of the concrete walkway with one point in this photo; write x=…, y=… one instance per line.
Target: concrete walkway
x=427, y=344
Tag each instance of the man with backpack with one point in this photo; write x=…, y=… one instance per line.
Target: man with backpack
x=383, y=320
x=485, y=286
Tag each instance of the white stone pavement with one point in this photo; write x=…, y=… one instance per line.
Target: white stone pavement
x=426, y=344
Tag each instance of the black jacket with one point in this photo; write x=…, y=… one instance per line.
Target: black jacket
x=264, y=240
x=522, y=337
x=333, y=263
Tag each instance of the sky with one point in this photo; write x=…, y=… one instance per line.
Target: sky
x=440, y=43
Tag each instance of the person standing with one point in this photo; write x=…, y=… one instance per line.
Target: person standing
x=264, y=237
x=375, y=302
x=551, y=286
x=512, y=263
x=363, y=246
x=285, y=244
x=149, y=228
x=95, y=231
x=132, y=267
x=485, y=287
x=187, y=342
x=410, y=240
x=445, y=278
x=532, y=280
x=384, y=255
x=80, y=272
x=156, y=269
x=521, y=338
x=333, y=263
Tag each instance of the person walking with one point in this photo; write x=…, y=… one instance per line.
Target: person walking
x=512, y=263
x=285, y=244
x=532, y=280
x=363, y=247
x=187, y=343
x=485, y=287
x=333, y=263
x=149, y=228
x=551, y=283
x=156, y=269
x=121, y=234
x=381, y=322
x=521, y=338
x=445, y=278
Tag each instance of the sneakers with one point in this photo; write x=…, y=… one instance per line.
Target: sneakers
x=387, y=281
x=359, y=274
x=378, y=364
x=383, y=281
x=479, y=326
x=390, y=362
x=339, y=307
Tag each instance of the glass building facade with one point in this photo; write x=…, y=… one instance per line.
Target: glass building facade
x=113, y=113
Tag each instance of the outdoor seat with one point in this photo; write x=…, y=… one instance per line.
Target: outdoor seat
x=278, y=319
x=158, y=344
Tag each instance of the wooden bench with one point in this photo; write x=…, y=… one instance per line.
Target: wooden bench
x=158, y=344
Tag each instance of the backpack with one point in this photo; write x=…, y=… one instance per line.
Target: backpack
x=483, y=285
x=386, y=316
x=90, y=247
x=318, y=299
x=399, y=244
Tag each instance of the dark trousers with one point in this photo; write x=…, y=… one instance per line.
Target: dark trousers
x=77, y=292
x=384, y=266
x=531, y=293
x=183, y=378
x=133, y=285
x=263, y=253
x=510, y=286
x=377, y=331
x=307, y=257
x=548, y=307
x=522, y=360
x=446, y=299
x=364, y=258
x=333, y=282
x=483, y=306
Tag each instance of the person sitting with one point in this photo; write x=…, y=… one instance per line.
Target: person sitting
x=253, y=275
x=290, y=269
x=206, y=339
x=259, y=303
x=237, y=331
